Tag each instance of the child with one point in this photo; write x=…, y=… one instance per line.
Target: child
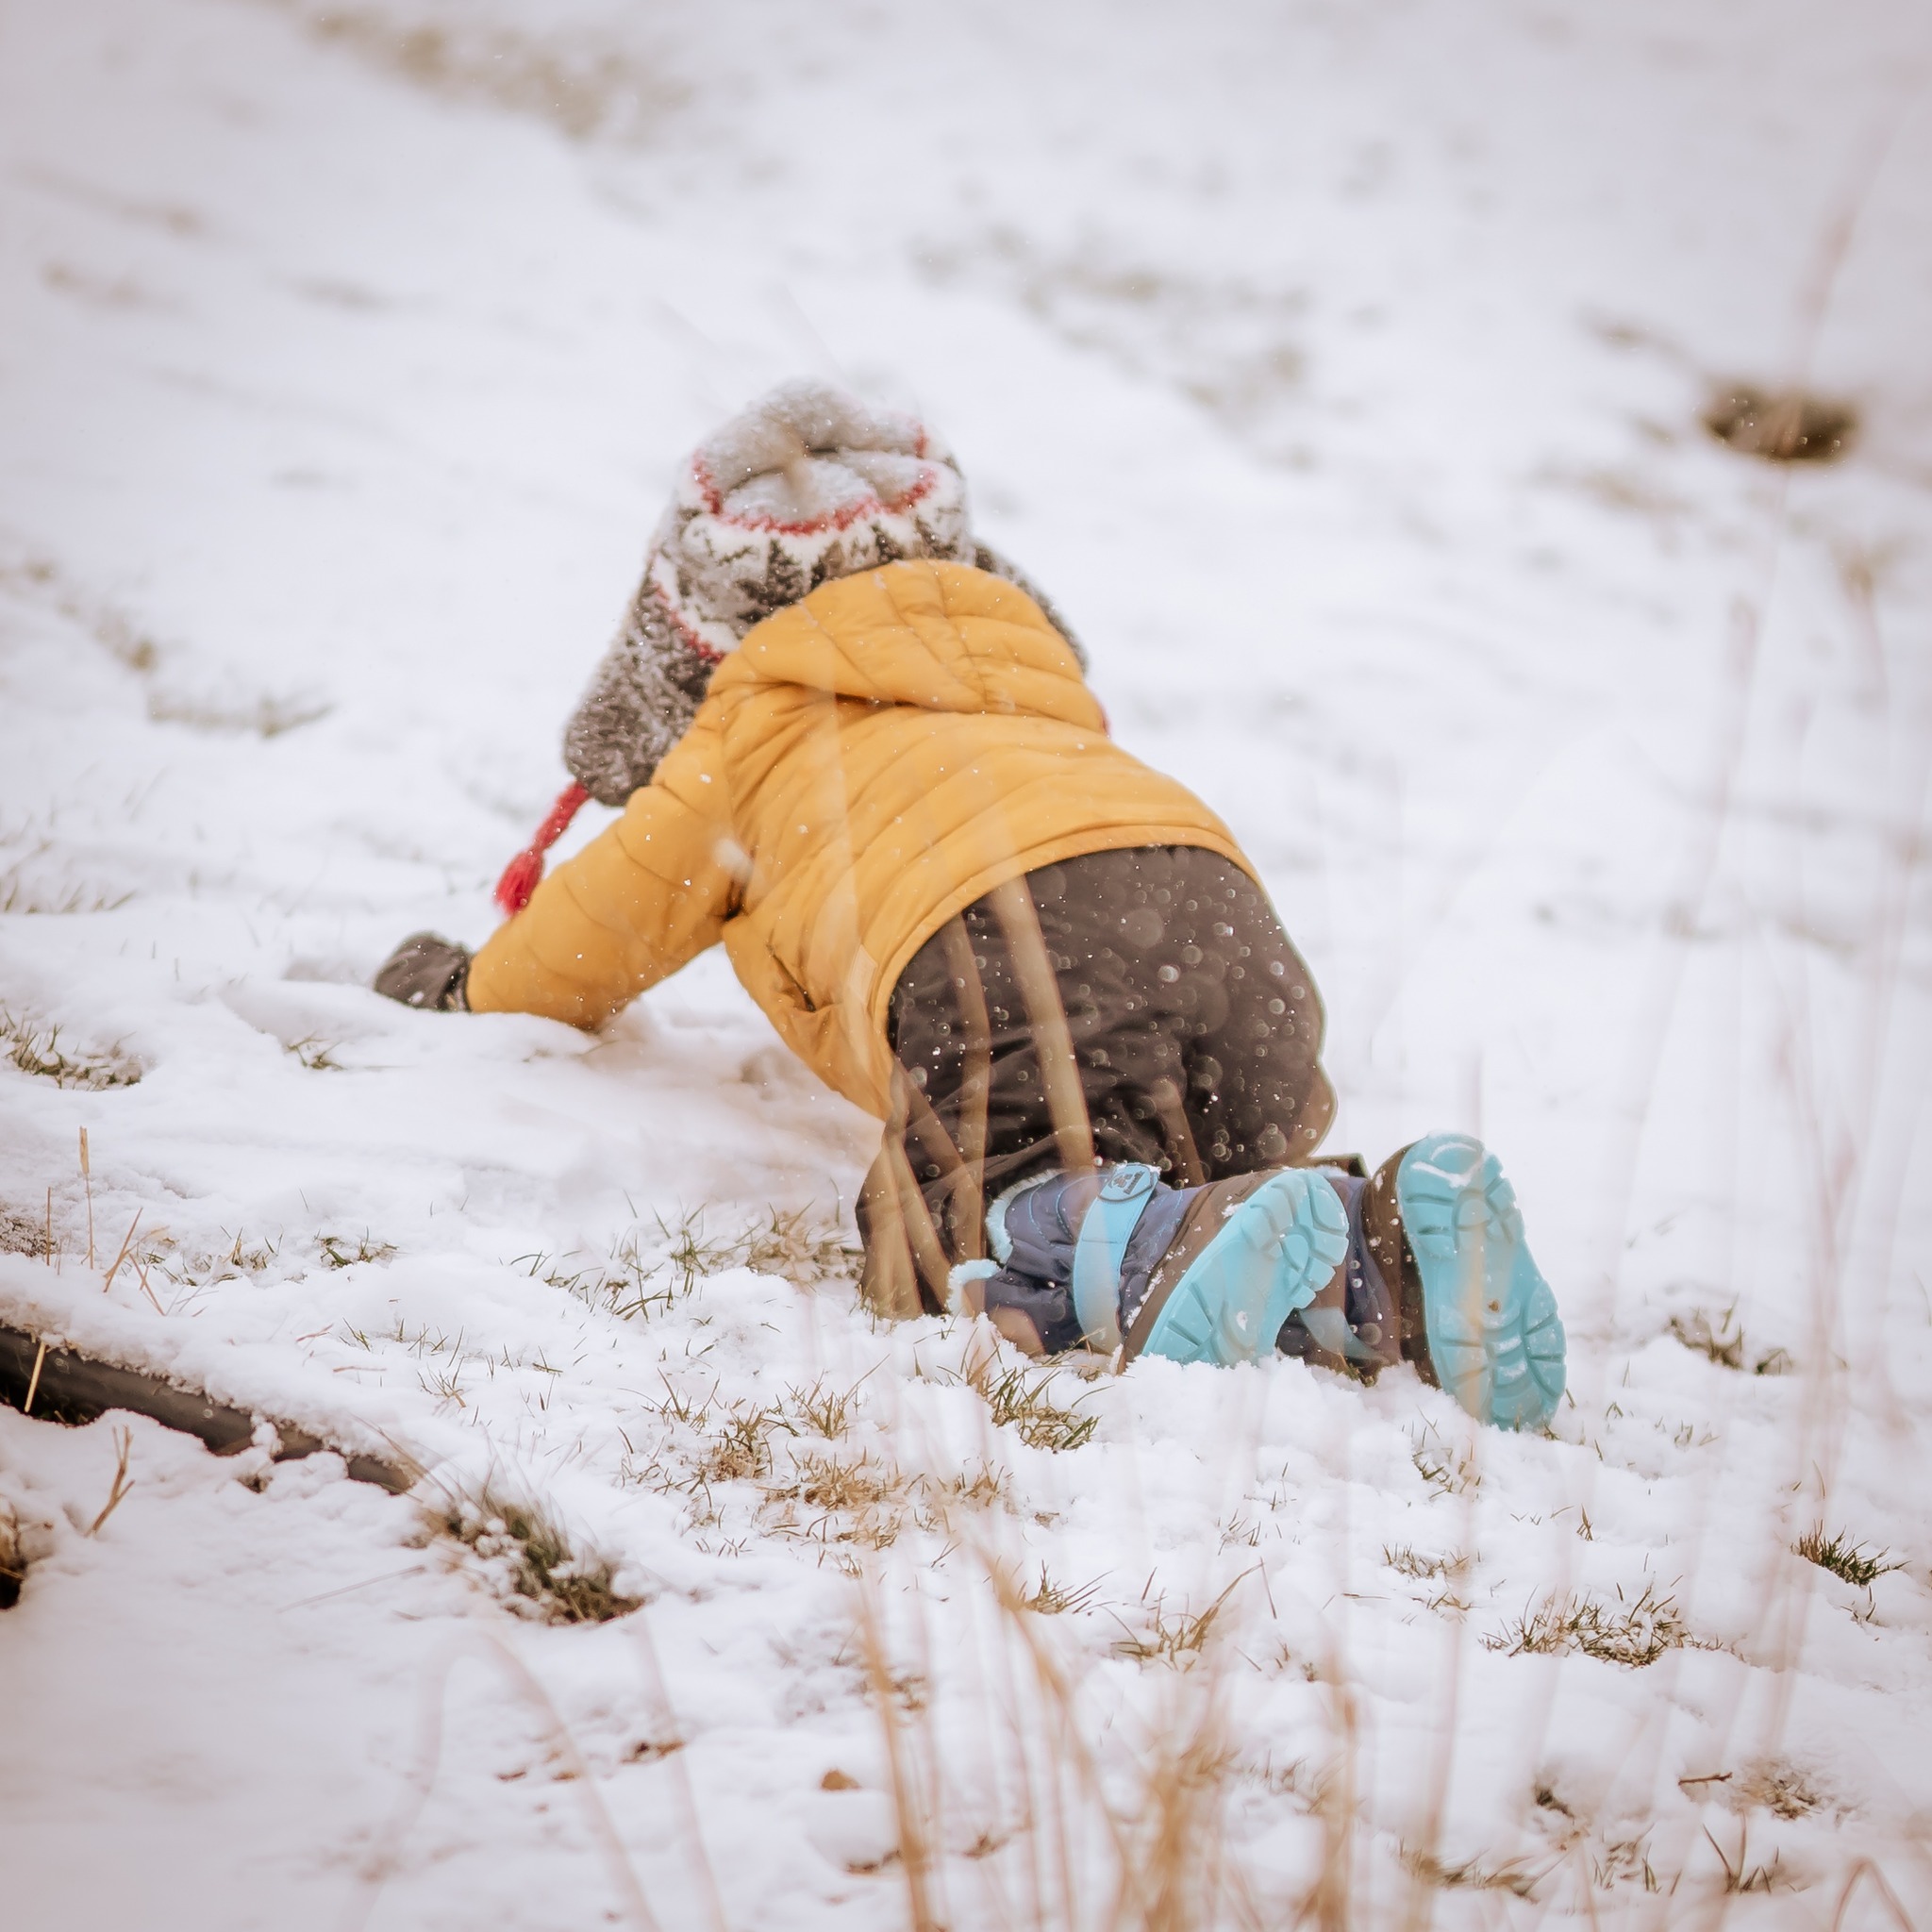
x=858, y=747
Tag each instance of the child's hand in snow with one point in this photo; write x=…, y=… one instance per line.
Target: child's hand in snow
x=426, y=970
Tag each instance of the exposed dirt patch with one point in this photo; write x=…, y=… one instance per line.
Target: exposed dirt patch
x=1787, y=426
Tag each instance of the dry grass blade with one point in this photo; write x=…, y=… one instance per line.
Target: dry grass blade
x=200, y=1267
x=122, y=1483
x=1622, y=1861
x=530, y=1558
x=1722, y=1342
x=678, y=1405
x=857, y=1502
x=1634, y=1633
x=1741, y=1876
x=1175, y=1641
x=1719, y=1341
x=20, y=894
x=127, y=1243
x=742, y=1450
x=1016, y=1399
x=1407, y=1561
x=33, y=1381
x=802, y=1247
x=1067, y=1750
x=38, y=1052
x=1178, y=1869
x=979, y=1490
x=1512, y=1875
x=688, y=1254
x=914, y=1221
x=1166, y=1829
x=338, y=1250
x=1450, y=1467
x=141, y=1265
x=824, y=1482
x=1059, y=1069
x=1862, y=1871
x=909, y=1807
x=826, y=1412
x=651, y=1269
x=1051, y=1598
x=1844, y=1559
x=976, y=1085
x=889, y=1286
x=1784, y=1789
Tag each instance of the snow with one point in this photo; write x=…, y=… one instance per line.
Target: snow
x=1338, y=370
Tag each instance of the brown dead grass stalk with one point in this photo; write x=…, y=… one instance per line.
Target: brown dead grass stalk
x=1144, y=1853
x=122, y=1483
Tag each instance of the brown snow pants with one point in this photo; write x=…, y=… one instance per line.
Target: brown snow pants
x=1141, y=1005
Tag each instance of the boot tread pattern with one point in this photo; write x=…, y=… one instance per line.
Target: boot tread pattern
x=1494, y=1336
x=1275, y=1250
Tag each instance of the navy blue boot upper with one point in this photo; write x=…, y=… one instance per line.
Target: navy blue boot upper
x=1039, y=1228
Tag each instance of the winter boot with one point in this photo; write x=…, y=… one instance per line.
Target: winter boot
x=1118, y=1260
x=1247, y=1254
x=1067, y=1249
x=1352, y=1325
x=1476, y=1317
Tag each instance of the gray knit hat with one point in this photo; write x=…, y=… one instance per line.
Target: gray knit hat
x=807, y=484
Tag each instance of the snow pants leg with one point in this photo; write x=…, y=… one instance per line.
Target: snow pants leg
x=1193, y=1027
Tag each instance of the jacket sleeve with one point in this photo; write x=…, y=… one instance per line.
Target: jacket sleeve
x=647, y=894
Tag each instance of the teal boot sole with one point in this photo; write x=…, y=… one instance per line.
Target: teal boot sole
x=1494, y=1336
x=1275, y=1253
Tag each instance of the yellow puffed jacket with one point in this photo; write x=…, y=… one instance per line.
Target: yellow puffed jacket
x=866, y=764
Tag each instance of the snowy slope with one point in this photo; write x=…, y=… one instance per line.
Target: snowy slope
x=1339, y=369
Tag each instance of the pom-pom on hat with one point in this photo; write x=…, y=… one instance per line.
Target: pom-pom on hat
x=805, y=486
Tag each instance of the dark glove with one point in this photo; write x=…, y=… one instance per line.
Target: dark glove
x=425, y=971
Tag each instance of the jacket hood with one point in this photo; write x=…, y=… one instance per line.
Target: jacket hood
x=944, y=637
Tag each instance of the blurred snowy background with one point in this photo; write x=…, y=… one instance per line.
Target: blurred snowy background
x=1338, y=368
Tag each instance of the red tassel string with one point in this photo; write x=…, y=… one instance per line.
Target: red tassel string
x=522, y=874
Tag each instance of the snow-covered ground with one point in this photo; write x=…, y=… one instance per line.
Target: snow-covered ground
x=1337, y=367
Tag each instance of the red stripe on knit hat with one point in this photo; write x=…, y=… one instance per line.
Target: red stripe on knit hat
x=872, y=506
x=688, y=637
x=523, y=872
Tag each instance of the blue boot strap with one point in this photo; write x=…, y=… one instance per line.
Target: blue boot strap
x=1106, y=1229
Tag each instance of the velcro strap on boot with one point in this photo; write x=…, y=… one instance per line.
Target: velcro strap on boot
x=1104, y=1232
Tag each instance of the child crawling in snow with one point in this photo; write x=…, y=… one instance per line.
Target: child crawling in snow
x=857, y=746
